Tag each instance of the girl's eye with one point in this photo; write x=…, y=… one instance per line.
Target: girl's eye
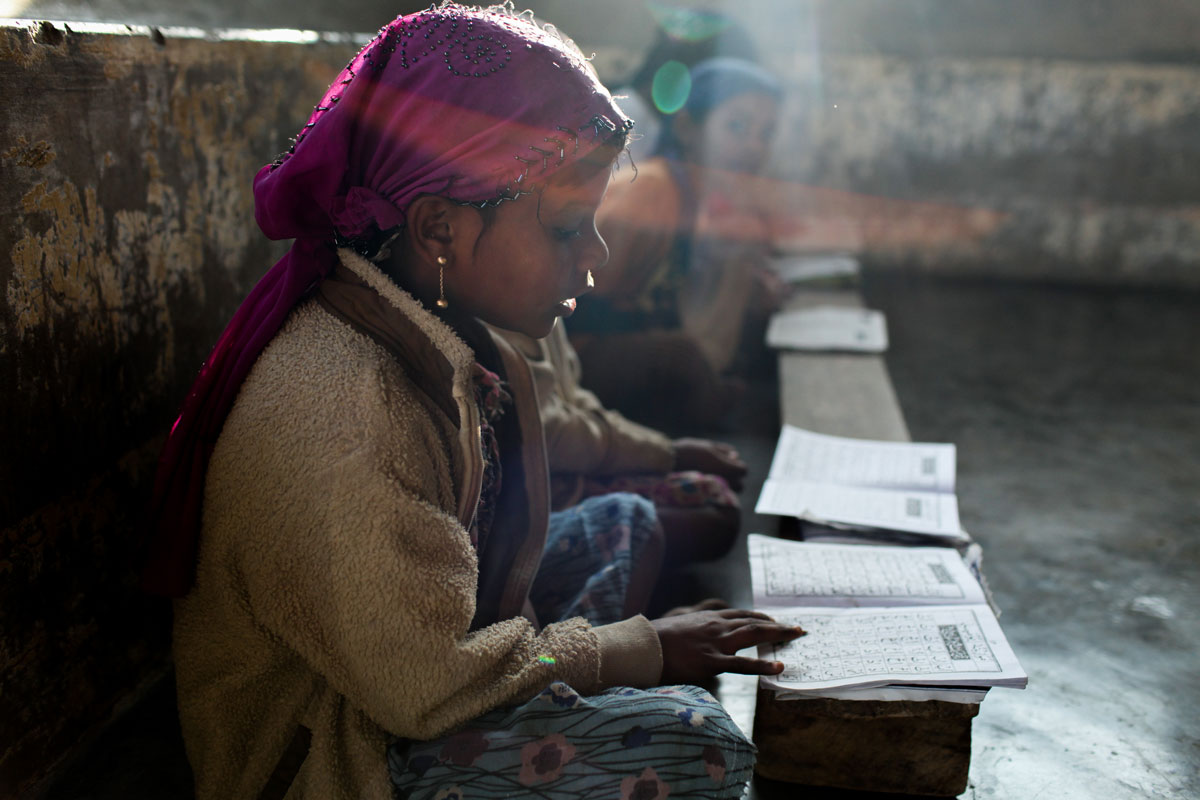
x=567, y=234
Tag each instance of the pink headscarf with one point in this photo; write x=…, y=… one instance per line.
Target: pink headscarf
x=477, y=105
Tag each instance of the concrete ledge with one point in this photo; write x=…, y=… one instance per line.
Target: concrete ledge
x=903, y=747
x=838, y=394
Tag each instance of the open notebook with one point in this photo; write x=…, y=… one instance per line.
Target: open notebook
x=829, y=328
x=878, y=616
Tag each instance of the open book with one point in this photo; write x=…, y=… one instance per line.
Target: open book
x=898, y=486
x=834, y=270
x=829, y=328
x=878, y=616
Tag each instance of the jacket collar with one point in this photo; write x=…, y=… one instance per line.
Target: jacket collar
x=360, y=294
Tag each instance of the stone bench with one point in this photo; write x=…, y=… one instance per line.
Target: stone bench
x=899, y=746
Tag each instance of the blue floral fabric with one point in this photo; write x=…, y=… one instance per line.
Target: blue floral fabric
x=590, y=552
x=623, y=743
x=632, y=744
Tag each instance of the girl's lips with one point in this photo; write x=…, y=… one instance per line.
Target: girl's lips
x=567, y=307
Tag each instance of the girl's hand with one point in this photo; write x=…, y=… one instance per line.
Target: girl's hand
x=714, y=458
x=703, y=644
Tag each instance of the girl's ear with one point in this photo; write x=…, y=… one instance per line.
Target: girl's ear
x=442, y=228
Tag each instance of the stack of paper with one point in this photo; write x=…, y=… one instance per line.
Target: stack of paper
x=829, y=328
x=859, y=483
x=912, y=620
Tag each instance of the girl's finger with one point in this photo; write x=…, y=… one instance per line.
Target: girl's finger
x=743, y=613
x=744, y=665
x=756, y=633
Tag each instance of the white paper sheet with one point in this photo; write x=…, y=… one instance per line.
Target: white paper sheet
x=802, y=268
x=829, y=328
x=935, y=645
x=818, y=457
x=929, y=513
x=785, y=573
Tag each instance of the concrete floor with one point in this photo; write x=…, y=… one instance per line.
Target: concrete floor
x=1077, y=419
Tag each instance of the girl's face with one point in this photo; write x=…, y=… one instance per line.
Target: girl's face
x=531, y=262
x=737, y=134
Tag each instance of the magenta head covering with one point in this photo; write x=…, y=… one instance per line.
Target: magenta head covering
x=477, y=105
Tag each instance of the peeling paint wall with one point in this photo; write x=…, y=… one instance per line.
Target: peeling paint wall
x=128, y=239
x=1072, y=171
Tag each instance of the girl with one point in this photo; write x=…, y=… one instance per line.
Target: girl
x=352, y=505
x=688, y=257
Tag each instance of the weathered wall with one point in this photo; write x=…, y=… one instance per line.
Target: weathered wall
x=1056, y=141
x=1062, y=170
x=1103, y=30
x=127, y=240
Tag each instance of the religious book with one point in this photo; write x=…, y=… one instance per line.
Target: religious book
x=828, y=329
x=907, y=621
x=815, y=270
x=860, y=484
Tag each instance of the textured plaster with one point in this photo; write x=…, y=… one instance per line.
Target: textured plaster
x=128, y=239
x=1083, y=171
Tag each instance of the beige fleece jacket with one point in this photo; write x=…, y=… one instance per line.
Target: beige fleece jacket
x=336, y=581
x=583, y=438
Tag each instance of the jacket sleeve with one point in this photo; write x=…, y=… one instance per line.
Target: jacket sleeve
x=582, y=436
x=358, y=568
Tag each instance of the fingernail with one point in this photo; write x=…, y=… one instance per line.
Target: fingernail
x=800, y=631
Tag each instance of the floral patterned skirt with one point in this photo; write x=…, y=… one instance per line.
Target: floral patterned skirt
x=621, y=743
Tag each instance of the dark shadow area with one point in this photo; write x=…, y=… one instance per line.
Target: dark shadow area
x=140, y=756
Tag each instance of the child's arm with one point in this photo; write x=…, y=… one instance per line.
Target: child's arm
x=582, y=436
x=335, y=525
x=378, y=599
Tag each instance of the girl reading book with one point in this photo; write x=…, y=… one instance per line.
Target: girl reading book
x=352, y=507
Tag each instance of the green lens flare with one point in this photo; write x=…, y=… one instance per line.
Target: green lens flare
x=671, y=87
x=547, y=659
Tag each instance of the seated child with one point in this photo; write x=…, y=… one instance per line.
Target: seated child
x=688, y=247
x=593, y=450
x=374, y=599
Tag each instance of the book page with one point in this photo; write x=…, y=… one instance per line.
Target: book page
x=785, y=573
x=829, y=329
x=863, y=462
x=801, y=268
x=929, y=513
x=941, y=645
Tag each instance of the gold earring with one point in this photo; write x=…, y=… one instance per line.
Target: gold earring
x=442, y=302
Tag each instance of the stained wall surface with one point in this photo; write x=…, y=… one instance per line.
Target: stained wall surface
x=1068, y=171
x=127, y=240
x=1054, y=142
